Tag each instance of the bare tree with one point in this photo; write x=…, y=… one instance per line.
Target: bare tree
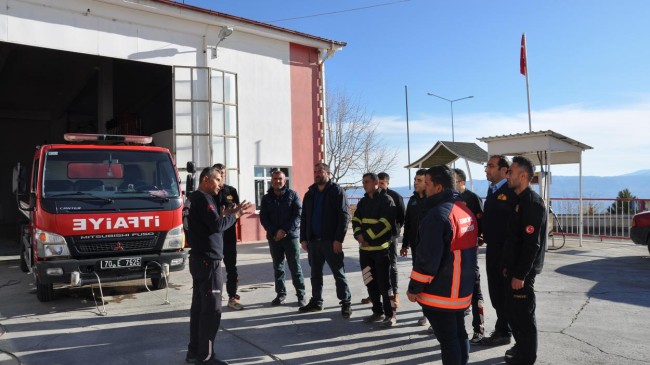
x=353, y=145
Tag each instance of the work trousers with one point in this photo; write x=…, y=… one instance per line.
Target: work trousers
x=394, y=281
x=288, y=248
x=319, y=252
x=520, y=306
x=449, y=328
x=496, y=286
x=205, y=312
x=379, y=287
x=230, y=260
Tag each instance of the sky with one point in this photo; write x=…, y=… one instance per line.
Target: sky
x=588, y=65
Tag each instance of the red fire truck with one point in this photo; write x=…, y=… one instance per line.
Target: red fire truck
x=103, y=208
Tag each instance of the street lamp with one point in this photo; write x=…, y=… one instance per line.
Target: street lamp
x=451, y=103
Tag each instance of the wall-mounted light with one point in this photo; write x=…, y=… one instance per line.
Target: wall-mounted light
x=223, y=34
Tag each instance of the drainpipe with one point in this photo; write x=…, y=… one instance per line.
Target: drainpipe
x=323, y=56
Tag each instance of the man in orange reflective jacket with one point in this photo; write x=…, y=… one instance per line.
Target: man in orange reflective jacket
x=442, y=280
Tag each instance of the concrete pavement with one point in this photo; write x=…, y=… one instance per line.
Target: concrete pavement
x=592, y=308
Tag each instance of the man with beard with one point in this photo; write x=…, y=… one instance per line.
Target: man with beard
x=323, y=225
x=523, y=258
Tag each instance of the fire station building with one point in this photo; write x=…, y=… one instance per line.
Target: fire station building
x=209, y=86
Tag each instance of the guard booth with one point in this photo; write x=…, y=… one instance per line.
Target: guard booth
x=543, y=148
x=446, y=153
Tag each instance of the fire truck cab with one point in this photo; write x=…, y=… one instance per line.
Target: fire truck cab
x=103, y=208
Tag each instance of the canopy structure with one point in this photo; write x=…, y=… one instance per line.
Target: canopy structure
x=543, y=148
x=446, y=152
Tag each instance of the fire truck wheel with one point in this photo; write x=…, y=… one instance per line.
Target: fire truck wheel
x=44, y=292
x=24, y=259
x=158, y=283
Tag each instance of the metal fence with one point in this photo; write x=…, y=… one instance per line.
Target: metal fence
x=603, y=218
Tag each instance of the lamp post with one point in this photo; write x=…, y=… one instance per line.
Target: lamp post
x=451, y=103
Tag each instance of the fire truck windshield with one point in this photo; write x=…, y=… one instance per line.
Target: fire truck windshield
x=108, y=173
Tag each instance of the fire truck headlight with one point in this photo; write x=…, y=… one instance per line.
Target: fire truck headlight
x=175, y=239
x=56, y=250
x=50, y=244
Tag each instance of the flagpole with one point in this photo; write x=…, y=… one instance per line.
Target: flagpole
x=524, y=55
x=408, y=138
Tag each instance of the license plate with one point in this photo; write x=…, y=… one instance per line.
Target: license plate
x=121, y=263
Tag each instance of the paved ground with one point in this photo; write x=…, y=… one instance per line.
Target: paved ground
x=593, y=308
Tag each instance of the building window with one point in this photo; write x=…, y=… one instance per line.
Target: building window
x=263, y=181
x=206, y=114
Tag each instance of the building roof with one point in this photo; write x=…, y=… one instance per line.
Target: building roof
x=547, y=133
x=183, y=6
x=557, y=148
x=446, y=152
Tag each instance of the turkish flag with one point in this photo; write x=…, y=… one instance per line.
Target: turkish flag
x=523, y=63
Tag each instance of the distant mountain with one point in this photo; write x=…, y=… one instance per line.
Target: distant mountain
x=603, y=187
x=638, y=173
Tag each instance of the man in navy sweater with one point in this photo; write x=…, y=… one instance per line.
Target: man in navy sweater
x=323, y=224
x=280, y=216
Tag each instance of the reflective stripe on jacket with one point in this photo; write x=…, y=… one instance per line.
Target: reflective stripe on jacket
x=443, y=273
x=374, y=219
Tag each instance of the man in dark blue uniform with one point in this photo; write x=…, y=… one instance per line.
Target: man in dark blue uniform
x=523, y=259
x=206, y=225
x=499, y=204
x=442, y=280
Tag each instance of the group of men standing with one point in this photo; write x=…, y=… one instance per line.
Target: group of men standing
x=444, y=223
x=445, y=279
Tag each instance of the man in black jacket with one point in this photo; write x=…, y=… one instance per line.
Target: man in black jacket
x=384, y=182
x=206, y=224
x=280, y=215
x=475, y=204
x=227, y=197
x=323, y=225
x=499, y=204
x=412, y=218
x=523, y=259
x=373, y=226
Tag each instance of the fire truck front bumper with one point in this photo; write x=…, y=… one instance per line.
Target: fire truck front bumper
x=109, y=269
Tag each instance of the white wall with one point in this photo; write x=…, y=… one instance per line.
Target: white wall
x=108, y=29
x=262, y=68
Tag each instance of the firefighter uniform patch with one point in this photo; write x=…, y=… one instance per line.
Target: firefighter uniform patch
x=530, y=229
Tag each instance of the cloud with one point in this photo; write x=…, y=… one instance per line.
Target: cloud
x=619, y=135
